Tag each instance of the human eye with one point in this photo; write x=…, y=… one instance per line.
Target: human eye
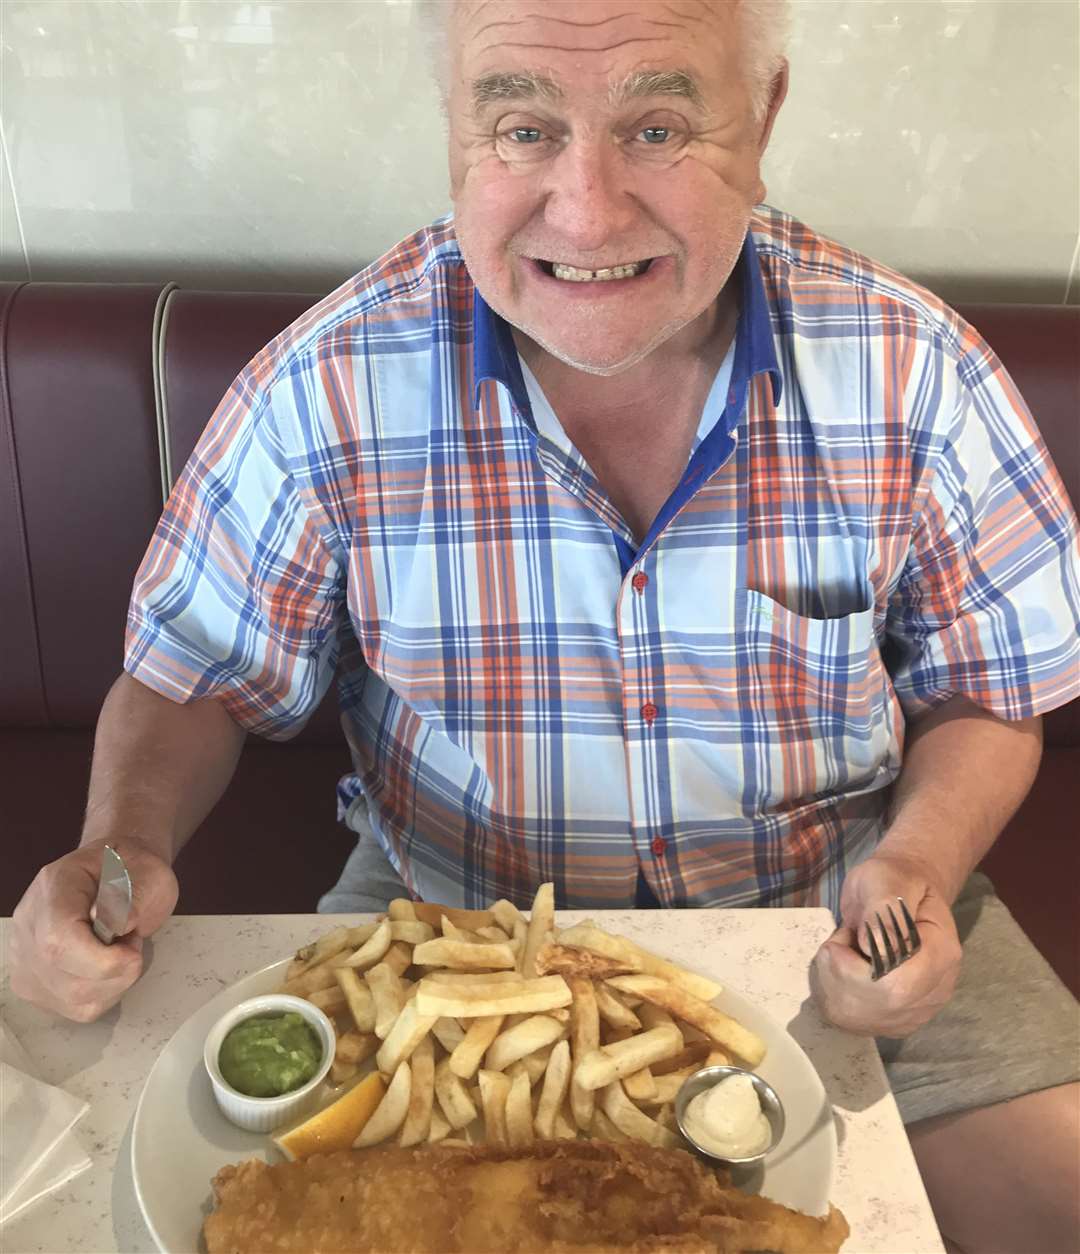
x=656, y=139
x=523, y=140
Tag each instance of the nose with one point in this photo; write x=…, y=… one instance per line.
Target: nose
x=587, y=201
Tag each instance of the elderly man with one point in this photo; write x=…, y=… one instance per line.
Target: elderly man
x=663, y=548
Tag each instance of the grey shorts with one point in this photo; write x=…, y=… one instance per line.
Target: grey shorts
x=1011, y=1027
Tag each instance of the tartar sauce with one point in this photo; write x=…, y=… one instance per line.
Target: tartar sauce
x=727, y=1120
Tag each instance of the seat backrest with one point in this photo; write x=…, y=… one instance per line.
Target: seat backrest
x=79, y=470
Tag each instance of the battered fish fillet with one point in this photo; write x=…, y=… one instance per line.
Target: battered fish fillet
x=559, y=1197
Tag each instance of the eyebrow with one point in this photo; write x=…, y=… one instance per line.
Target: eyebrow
x=656, y=83
x=523, y=85
x=514, y=86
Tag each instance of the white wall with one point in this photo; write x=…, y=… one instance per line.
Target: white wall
x=283, y=143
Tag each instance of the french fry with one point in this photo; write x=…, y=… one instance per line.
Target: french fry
x=523, y=1038
x=355, y=1046
x=448, y=1032
x=611, y=1035
x=411, y=931
x=463, y=955
x=600, y=1067
x=535, y=1064
x=329, y=1000
x=603, y=1129
x=400, y=909
x=614, y=1010
x=519, y=1118
x=462, y=978
x=431, y=912
x=633, y=1122
x=564, y=1129
x=718, y=1027
x=369, y=953
x=341, y=1071
x=312, y=980
x=665, y=1117
x=398, y=957
x=692, y=1056
x=358, y=998
x=556, y=957
x=504, y=914
x=493, y=933
x=651, y=964
x=439, y=1129
x=541, y=923
x=453, y=1097
x=295, y=968
x=473, y=1001
x=332, y=943
x=452, y=932
x=653, y=1016
x=390, y=1113
x=468, y=1054
x=494, y=1090
x=518, y=942
x=417, y=1123
x=690, y=1034
x=387, y=997
x=666, y=1087
x=615, y=948
x=584, y=1039
x=553, y=1092
x=717, y=1058
x=639, y=1086
x=410, y=1028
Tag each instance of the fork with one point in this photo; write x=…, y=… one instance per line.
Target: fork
x=898, y=948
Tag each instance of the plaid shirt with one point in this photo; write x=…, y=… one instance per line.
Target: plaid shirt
x=868, y=524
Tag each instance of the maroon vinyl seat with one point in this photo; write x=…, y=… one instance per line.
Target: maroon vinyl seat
x=103, y=392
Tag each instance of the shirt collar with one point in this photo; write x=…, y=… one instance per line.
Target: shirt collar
x=495, y=354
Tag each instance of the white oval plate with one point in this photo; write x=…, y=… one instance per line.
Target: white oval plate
x=180, y=1140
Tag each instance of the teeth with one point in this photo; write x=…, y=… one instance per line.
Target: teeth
x=574, y=275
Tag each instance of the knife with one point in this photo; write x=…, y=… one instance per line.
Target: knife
x=110, y=912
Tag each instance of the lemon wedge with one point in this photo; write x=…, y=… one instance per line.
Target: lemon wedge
x=336, y=1126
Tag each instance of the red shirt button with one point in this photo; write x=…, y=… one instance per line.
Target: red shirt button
x=659, y=845
x=649, y=712
x=640, y=581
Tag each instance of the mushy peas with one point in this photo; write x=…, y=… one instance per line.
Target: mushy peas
x=270, y=1055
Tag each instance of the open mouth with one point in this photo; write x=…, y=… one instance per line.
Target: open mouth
x=572, y=274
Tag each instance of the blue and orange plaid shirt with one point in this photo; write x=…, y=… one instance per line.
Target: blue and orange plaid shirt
x=868, y=524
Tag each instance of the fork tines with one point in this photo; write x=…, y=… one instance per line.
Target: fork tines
x=899, y=947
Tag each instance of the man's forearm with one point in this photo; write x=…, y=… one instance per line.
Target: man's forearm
x=965, y=772
x=159, y=768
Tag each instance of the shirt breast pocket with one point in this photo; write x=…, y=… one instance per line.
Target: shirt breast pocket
x=815, y=706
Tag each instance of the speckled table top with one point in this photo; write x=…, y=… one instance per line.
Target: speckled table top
x=762, y=954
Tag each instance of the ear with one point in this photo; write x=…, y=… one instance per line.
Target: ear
x=777, y=92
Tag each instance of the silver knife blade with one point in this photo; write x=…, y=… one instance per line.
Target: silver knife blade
x=109, y=916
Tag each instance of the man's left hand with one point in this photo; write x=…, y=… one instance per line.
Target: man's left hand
x=901, y=1002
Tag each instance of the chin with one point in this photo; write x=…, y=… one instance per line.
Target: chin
x=606, y=359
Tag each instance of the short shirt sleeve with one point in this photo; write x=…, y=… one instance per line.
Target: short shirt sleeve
x=988, y=605
x=239, y=594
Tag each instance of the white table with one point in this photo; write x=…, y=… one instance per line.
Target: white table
x=763, y=954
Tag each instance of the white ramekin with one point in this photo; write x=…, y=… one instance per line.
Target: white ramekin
x=262, y=1114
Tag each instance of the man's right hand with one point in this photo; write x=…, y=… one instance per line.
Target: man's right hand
x=55, y=959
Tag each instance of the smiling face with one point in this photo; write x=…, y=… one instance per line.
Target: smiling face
x=604, y=163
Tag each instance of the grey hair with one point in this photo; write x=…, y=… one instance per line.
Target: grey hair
x=764, y=27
